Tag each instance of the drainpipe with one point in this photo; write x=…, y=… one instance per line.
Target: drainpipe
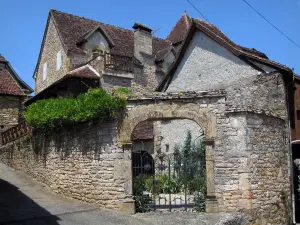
x=291, y=158
x=292, y=174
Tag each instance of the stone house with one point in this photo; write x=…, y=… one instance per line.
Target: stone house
x=237, y=100
x=13, y=92
x=93, y=54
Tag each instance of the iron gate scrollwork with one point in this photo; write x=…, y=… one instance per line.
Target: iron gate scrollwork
x=173, y=182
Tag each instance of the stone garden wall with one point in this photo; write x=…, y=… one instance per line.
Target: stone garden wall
x=83, y=162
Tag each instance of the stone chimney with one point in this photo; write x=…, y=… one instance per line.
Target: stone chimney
x=142, y=42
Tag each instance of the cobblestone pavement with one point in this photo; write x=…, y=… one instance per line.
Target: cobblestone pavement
x=26, y=202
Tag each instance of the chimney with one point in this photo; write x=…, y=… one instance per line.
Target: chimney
x=142, y=41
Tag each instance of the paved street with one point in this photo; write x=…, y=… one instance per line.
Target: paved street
x=26, y=202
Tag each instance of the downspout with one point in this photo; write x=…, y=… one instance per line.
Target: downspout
x=291, y=155
x=292, y=172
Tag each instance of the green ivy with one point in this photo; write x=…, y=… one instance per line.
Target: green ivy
x=54, y=112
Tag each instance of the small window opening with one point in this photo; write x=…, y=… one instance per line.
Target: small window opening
x=298, y=114
x=167, y=147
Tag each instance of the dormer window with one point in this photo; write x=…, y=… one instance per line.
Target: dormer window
x=96, y=40
x=45, y=71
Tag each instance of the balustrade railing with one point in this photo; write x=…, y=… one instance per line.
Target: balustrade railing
x=118, y=62
x=15, y=132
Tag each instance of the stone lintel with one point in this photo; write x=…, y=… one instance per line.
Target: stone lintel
x=127, y=145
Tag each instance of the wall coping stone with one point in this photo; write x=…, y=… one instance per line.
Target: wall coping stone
x=177, y=95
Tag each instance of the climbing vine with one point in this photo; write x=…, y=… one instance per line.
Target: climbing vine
x=55, y=112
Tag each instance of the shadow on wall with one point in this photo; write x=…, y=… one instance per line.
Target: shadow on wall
x=91, y=139
x=17, y=207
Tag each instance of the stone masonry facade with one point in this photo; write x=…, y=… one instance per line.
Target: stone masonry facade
x=52, y=45
x=10, y=110
x=246, y=141
x=84, y=163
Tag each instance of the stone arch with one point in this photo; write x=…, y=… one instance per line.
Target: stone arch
x=204, y=117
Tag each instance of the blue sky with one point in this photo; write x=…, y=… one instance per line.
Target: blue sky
x=23, y=23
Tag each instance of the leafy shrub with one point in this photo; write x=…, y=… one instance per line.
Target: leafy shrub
x=123, y=91
x=95, y=104
x=142, y=201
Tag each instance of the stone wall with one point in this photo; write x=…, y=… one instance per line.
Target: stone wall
x=249, y=157
x=10, y=109
x=252, y=151
x=207, y=65
x=169, y=133
x=246, y=139
x=83, y=162
x=52, y=45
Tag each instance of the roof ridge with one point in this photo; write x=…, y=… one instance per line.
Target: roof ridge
x=105, y=24
x=187, y=18
x=179, y=30
x=223, y=36
x=82, y=17
x=2, y=58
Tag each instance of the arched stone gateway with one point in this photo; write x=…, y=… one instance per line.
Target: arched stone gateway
x=246, y=146
x=165, y=109
x=203, y=116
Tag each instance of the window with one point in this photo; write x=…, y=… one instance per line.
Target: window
x=167, y=147
x=298, y=114
x=45, y=71
x=58, y=60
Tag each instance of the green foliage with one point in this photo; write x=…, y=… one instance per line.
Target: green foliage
x=183, y=173
x=142, y=201
x=123, y=91
x=162, y=184
x=95, y=104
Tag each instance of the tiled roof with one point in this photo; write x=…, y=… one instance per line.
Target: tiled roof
x=179, y=31
x=246, y=53
x=8, y=85
x=2, y=59
x=161, y=54
x=72, y=28
x=143, y=131
x=216, y=31
x=85, y=71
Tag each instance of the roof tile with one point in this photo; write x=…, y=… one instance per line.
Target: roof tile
x=219, y=33
x=72, y=28
x=84, y=72
x=180, y=30
x=8, y=85
x=143, y=131
x=2, y=59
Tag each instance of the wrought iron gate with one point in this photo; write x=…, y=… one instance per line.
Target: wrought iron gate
x=174, y=182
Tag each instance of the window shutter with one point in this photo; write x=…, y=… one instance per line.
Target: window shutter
x=58, y=60
x=45, y=71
